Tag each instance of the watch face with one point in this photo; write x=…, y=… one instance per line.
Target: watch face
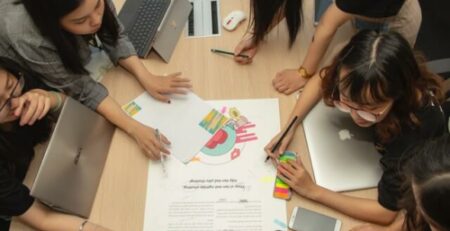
x=303, y=73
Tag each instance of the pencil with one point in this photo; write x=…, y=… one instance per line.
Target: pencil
x=277, y=144
x=228, y=53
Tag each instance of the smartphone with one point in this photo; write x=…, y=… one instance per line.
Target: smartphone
x=282, y=190
x=306, y=220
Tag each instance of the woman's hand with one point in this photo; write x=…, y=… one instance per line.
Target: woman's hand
x=147, y=140
x=295, y=175
x=161, y=86
x=283, y=145
x=245, y=47
x=31, y=106
x=288, y=81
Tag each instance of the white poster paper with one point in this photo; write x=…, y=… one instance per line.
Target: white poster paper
x=227, y=186
x=180, y=121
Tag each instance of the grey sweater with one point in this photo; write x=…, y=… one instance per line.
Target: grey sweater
x=21, y=41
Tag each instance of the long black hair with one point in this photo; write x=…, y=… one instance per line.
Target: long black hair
x=17, y=143
x=46, y=15
x=383, y=66
x=265, y=12
x=429, y=171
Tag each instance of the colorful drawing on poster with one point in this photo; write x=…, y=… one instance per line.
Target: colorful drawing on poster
x=213, y=121
x=131, y=108
x=229, y=141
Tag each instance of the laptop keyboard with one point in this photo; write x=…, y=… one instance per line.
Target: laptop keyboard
x=148, y=19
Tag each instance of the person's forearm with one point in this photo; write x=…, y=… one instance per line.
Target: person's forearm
x=40, y=217
x=397, y=225
x=135, y=66
x=112, y=111
x=332, y=19
x=359, y=208
x=308, y=98
x=56, y=99
x=60, y=221
x=318, y=47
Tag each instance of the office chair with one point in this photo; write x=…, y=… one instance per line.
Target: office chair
x=434, y=35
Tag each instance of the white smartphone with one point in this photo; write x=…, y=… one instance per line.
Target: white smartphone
x=307, y=220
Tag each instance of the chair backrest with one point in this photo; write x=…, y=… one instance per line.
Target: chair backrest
x=434, y=35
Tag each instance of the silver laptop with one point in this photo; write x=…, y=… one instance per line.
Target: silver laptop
x=73, y=162
x=343, y=155
x=155, y=24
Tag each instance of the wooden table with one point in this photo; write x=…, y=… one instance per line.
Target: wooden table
x=120, y=200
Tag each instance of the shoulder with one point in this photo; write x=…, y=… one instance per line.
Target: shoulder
x=19, y=30
x=431, y=124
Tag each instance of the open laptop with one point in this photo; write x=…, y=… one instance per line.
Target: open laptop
x=343, y=155
x=155, y=24
x=73, y=162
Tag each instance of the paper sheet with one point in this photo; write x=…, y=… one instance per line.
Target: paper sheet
x=183, y=121
x=227, y=186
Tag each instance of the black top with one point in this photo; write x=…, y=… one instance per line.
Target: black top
x=371, y=8
x=15, y=197
x=395, y=155
x=16, y=153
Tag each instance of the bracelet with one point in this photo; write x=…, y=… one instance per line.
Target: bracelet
x=82, y=225
x=59, y=101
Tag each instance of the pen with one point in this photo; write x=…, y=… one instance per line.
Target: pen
x=277, y=144
x=228, y=53
x=158, y=135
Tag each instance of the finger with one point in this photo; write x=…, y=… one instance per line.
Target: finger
x=164, y=150
x=46, y=108
x=281, y=87
x=179, y=79
x=288, y=166
x=181, y=84
x=181, y=91
x=39, y=108
x=159, y=146
x=173, y=74
x=268, y=149
x=152, y=151
x=284, y=178
x=19, y=103
x=288, y=91
x=160, y=97
x=242, y=60
x=278, y=84
x=238, y=49
x=165, y=140
x=29, y=110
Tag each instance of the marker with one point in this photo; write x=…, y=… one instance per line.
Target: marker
x=229, y=53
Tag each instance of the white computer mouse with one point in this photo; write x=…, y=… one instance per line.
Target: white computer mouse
x=233, y=19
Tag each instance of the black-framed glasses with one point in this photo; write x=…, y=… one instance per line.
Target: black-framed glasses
x=12, y=95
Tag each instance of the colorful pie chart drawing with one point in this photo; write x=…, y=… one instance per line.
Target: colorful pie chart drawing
x=228, y=142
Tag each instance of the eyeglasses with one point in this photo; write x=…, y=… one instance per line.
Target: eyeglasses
x=6, y=107
x=367, y=116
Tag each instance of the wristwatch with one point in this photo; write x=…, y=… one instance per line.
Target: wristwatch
x=304, y=73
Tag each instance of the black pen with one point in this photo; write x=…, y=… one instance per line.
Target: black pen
x=228, y=53
x=277, y=144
